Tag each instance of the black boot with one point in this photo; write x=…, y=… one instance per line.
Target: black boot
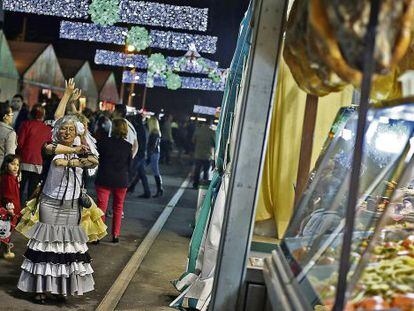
x=160, y=190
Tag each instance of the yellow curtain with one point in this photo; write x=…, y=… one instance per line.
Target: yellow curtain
x=276, y=193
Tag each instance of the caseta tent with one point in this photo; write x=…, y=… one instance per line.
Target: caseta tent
x=9, y=76
x=81, y=71
x=107, y=88
x=39, y=68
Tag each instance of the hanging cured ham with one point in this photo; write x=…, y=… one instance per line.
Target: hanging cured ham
x=325, y=41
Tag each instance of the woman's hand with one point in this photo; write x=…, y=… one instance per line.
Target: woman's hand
x=76, y=94
x=69, y=87
x=61, y=162
x=89, y=162
x=82, y=149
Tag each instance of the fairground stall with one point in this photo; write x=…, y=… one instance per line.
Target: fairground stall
x=9, y=76
x=107, y=88
x=39, y=69
x=81, y=71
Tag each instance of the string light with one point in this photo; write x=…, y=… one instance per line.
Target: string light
x=112, y=58
x=132, y=12
x=193, y=83
x=163, y=15
x=168, y=40
x=63, y=8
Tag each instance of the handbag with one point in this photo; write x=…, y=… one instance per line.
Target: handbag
x=84, y=200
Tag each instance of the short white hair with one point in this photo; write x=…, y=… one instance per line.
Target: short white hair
x=79, y=127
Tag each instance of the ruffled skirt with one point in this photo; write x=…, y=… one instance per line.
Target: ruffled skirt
x=91, y=221
x=57, y=260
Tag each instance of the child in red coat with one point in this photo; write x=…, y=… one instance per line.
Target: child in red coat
x=10, y=200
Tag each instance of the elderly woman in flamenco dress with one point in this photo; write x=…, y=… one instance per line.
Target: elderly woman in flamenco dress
x=56, y=260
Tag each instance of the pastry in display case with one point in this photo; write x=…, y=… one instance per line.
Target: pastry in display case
x=312, y=244
x=386, y=271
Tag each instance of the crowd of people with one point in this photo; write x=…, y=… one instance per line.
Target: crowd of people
x=47, y=155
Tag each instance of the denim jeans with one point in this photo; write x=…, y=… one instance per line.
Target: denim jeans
x=154, y=162
x=138, y=173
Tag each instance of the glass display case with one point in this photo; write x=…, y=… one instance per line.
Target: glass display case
x=384, y=277
x=311, y=248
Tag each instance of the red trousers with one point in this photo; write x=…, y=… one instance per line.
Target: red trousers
x=103, y=194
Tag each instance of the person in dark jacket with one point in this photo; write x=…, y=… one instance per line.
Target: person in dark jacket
x=153, y=152
x=115, y=155
x=20, y=110
x=138, y=166
x=31, y=137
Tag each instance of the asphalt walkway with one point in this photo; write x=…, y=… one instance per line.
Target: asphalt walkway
x=150, y=288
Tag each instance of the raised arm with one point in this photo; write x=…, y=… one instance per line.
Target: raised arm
x=70, y=94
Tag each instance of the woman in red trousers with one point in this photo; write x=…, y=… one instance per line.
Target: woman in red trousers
x=114, y=161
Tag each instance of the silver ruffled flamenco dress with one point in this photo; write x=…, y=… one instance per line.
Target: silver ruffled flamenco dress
x=56, y=260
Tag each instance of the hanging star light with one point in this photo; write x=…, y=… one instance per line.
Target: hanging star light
x=104, y=12
x=62, y=8
x=167, y=40
x=192, y=59
x=193, y=83
x=139, y=38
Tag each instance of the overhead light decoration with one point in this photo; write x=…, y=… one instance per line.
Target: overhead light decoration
x=173, y=81
x=157, y=64
x=215, y=76
x=104, y=12
x=113, y=58
x=168, y=40
x=193, y=83
x=109, y=12
x=139, y=38
x=192, y=59
x=62, y=8
x=164, y=15
x=165, y=39
x=157, y=68
x=130, y=48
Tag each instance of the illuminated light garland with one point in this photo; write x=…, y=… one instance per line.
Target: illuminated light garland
x=168, y=40
x=192, y=83
x=163, y=15
x=112, y=58
x=62, y=8
x=165, y=39
x=132, y=12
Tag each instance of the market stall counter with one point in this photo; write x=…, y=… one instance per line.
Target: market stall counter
x=302, y=272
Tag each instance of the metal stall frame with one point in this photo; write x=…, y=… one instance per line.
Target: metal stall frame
x=248, y=158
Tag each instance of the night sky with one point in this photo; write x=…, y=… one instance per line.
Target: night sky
x=224, y=20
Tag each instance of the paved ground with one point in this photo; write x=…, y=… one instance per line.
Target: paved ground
x=150, y=289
